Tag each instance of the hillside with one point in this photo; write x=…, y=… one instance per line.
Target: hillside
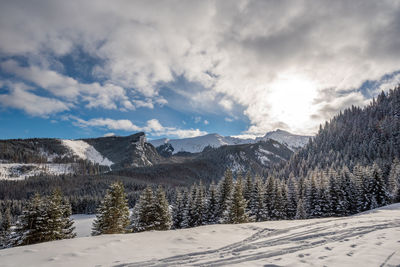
x=355, y=136
x=368, y=239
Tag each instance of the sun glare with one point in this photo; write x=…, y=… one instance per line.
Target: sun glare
x=291, y=100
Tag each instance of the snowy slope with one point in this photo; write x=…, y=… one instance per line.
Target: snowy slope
x=369, y=239
x=85, y=151
x=293, y=141
x=20, y=171
x=197, y=144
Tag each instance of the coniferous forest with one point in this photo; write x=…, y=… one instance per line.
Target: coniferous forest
x=351, y=165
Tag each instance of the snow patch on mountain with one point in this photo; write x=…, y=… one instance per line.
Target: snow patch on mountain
x=20, y=171
x=292, y=141
x=197, y=144
x=87, y=152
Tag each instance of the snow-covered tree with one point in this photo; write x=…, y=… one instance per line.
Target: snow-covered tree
x=113, y=213
x=291, y=197
x=31, y=225
x=256, y=205
x=178, y=211
x=301, y=210
x=236, y=212
x=144, y=216
x=225, y=189
x=248, y=188
x=212, y=205
x=394, y=181
x=163, y=219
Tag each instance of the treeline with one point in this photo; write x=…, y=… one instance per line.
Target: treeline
x=355, y=136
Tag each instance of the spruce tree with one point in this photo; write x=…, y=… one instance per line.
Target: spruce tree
x=212, y=205
x=394, y=181
x=163, y=220
x=5, y=225
x=237, y=209
x=256, y=205
x=113, y=214
x=248, y=189
x=301, y=210
x=31, y=225
x=178, y=211
x=269, y=197
x=291, y=197
x=144, y=215
x=225, y=189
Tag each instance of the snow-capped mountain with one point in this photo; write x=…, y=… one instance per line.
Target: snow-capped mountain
x=293, y=141
x=197, y=144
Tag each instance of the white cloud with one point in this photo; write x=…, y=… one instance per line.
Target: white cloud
x=152, y=127
x=227, y=119
x=206, y=122
x=109, y=134
x=239, y=53
x=20, y=97
x=197, y=119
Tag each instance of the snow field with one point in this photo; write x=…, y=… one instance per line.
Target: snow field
x=368, y=239
x=85, y=151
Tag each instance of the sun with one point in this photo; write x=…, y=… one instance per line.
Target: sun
x=291, y=99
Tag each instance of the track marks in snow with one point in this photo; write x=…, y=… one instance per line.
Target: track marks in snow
x=269, y=243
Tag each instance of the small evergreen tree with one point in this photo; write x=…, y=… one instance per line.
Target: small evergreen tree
x=394, y=181
x=212, y=205
x=225, y=189
x=5, y=225
x=113, y=214
x=256, y=205
x=31, y=225
x=178, y=211
x=144, y=215
x=301, y=210
x=163, y=220
x=237, y=209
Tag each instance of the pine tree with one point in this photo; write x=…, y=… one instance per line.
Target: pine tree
x=144, y=215
x=378, y=187
x=212, y=205
x=394, y=181
x=113, y=214
x=163, y=220
x=237, y=209
x=248, y=189
x=291, y=197
x=31, y=225
x=301, y=210
x=5, y=226
x=256, y=205
x=58, y=225
x=178, y=211
x=225, y=189
x=269, y=197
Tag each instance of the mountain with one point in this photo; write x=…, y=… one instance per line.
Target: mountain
x=293, y=141
x=197, y=144
x=21, y=158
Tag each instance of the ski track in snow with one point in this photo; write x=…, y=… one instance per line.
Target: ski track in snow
x=368, y=239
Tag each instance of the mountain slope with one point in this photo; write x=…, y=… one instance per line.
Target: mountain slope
x=369, y=239
x=293, y=141
x=23, y=158
x=354, y=136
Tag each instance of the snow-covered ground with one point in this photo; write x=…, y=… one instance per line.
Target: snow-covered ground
x=85, y=151
x=18, y=171
x=368, y=239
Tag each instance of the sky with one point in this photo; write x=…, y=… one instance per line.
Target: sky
x=176, y=69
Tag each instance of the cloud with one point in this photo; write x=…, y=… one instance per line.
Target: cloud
x=20, y=97
x=206, y=122
x=109, y=134
x=258, y=56
x=152, y=127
